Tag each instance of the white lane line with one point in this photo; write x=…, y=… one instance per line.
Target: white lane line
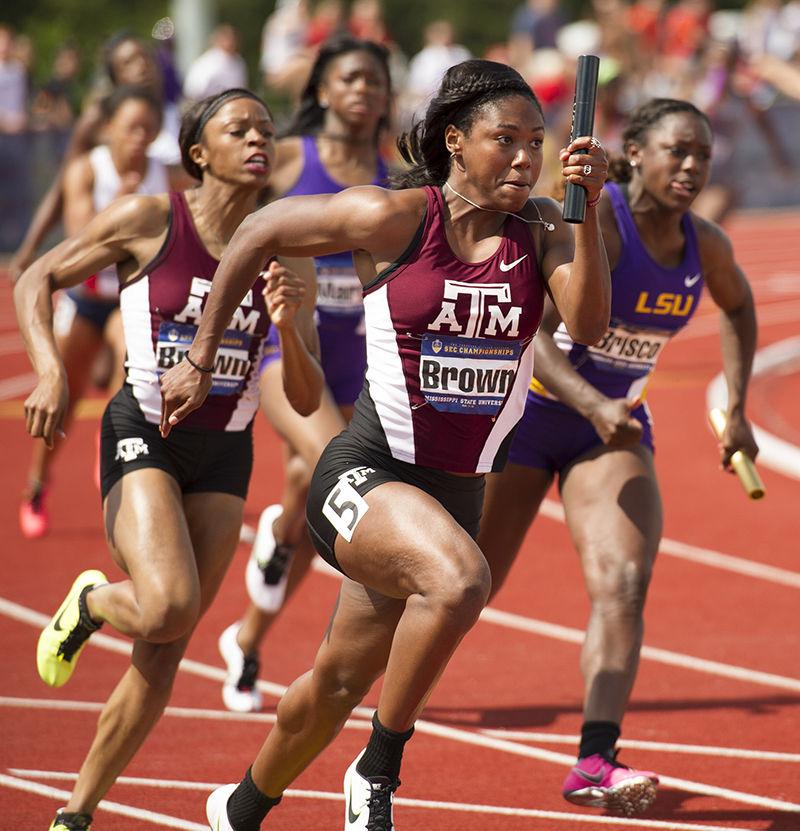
x=164, y=820
x=664, y=656
x=17, y=385
x=209, y=714
x=463, y=807
x=18, y=612
x=775, y=453
x=659, y=747
x=705, y=556
x=489, y=615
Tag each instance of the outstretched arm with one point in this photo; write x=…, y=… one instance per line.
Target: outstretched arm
x=738, y=333
x=104, y=241
x=300, y=226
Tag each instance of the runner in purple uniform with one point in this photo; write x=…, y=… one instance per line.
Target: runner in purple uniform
x=331, y=144
x=172, y=506
x=586, y=419
x=455, y=265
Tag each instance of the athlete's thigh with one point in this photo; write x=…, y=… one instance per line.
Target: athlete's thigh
x=512, y=501
x=307, y=435
x=147, y=531
x=214, y=521
x=613, y=506
x=405, y=542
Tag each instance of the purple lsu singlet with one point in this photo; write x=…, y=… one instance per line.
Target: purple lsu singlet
x=160, y=312
x=649, y=304
x=340, y=311
x=449, y=354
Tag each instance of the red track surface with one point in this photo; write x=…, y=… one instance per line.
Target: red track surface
x=503, y=677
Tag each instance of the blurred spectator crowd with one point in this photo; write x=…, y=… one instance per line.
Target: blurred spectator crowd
x=741, y=67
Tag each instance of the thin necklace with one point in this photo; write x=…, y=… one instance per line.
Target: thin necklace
x=548, y=226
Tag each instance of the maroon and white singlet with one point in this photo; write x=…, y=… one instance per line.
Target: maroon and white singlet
x=160, y=312
x=449, y=349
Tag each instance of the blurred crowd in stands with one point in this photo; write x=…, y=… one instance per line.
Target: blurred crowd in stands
x=741, y=67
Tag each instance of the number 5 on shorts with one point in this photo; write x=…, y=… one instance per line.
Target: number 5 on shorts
x=344, y=508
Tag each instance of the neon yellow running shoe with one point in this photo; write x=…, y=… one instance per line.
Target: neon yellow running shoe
x=70, y=822
x=64, y=637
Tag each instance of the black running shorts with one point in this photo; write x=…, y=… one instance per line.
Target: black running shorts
x=347, y=471
x=200, y=461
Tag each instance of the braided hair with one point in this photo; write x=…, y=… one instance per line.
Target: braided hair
x=310, y=116
x=465, y=90
x=640, y=122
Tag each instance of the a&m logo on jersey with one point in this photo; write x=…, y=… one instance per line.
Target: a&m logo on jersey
x=471, y=372
x=128, y=450
x=486, y=317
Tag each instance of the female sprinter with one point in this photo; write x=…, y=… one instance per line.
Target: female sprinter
x=86, y=317
x=332, y=143
x=173, y=507
x=455, y=266
x=127, y=61
x=585, y=420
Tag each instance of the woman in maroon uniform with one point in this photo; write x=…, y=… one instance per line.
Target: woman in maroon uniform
x=172, y=506
x=455, y=265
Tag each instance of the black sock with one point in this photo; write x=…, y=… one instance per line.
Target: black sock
x=384, y=752
x=75, y=820
x=247, y=805
x=598, y=737
x=86, y=619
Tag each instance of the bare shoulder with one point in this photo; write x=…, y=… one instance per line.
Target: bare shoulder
x=714, y=244
x=382, y=214
x=139, y=215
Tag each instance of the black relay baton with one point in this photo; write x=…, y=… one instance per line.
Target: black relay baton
x=582, y=125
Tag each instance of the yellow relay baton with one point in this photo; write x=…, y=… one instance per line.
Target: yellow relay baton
x=742, y=464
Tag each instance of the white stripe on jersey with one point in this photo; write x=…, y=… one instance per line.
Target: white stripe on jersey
x=387, y=384
x=510, y=414
x=562, y=339
x=134, y=304
x=248, y=403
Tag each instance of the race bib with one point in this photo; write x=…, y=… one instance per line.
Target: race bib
x=627, y=350
x=230, y=366
x=339, y=290
x=467, y=375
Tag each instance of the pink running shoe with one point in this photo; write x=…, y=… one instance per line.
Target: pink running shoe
x=34, y=521
x=597, y=782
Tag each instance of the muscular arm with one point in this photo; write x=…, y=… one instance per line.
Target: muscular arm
x=107, y=239
x=300, y=356
x=577, y=275
x=610, y=416
x=365, y=218
x=738, y=332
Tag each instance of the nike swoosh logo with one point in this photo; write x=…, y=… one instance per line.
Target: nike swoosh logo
x=689, y=281
x=351, y=817
x=57, y=621
x=504, y=266
x=595, y=778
